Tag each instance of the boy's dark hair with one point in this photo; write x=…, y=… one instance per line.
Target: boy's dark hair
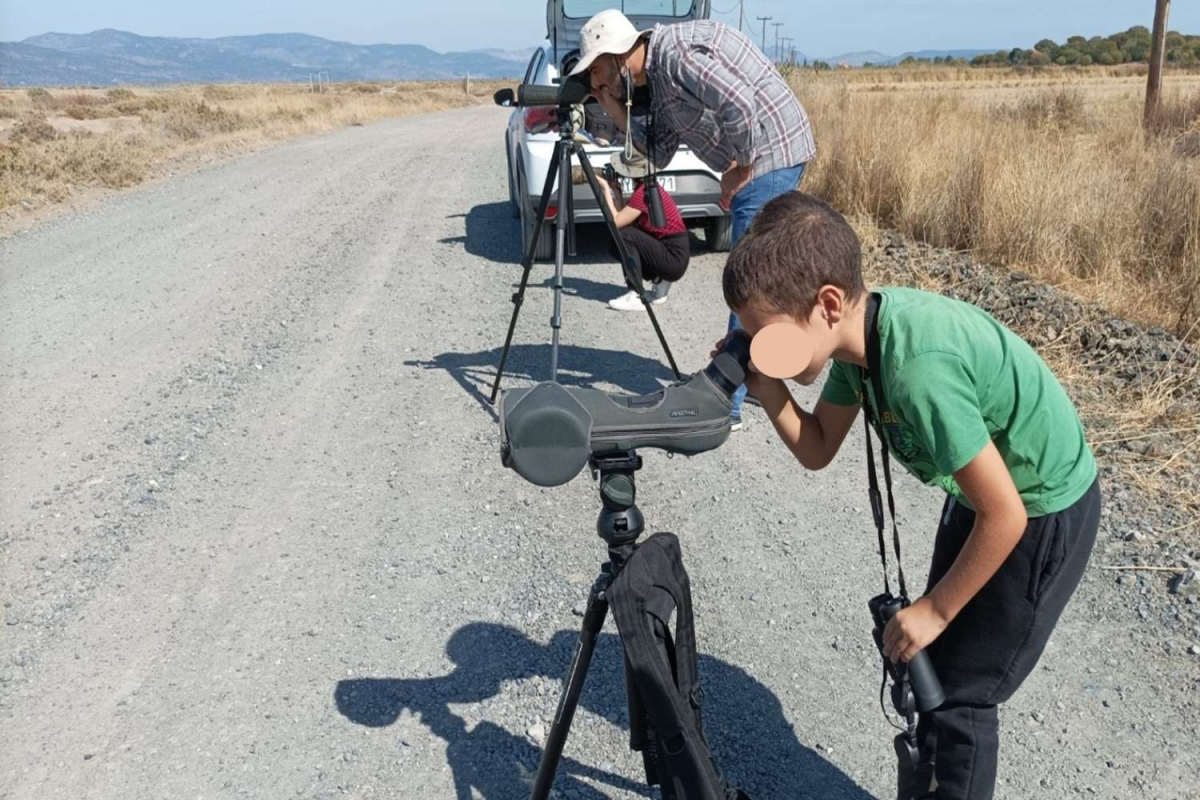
x=795, y=245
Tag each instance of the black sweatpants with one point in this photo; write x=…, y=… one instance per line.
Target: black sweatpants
x=989, y=649
x=661, y=259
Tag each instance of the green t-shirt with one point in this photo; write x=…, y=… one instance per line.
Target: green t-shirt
x=953, y=378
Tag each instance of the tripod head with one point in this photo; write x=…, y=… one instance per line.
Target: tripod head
x=620, y=522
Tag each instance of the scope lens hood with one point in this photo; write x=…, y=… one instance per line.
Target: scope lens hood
x=545, y=433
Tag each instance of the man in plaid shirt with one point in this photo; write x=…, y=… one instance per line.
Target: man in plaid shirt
x=712, y=90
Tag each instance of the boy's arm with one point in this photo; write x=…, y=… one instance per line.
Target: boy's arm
x=1000, y=521
x=813, y=439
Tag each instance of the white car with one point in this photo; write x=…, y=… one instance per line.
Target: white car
x=532, y=132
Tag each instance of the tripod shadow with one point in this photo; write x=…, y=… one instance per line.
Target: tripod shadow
x=577, y=366
x=744, y=720
x=493, y=234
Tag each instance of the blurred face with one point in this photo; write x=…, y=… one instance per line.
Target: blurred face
x=605, y=75
x=818, y=332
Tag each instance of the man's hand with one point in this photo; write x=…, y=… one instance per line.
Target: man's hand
x=912, y=630
x=733, y=181
x=612, y=106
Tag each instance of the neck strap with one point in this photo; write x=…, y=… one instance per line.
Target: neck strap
x=874, y=375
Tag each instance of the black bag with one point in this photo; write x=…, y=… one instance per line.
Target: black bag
x=665, y=696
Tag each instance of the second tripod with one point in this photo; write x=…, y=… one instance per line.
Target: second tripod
x=566, y=150
x=645, y=586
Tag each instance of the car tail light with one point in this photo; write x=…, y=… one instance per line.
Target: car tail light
x=551, y=212
x=540, y=119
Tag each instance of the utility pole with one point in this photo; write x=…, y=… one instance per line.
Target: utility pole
x=1158, y=46
x=763, y=20
x=777, y=26
x=741, y=15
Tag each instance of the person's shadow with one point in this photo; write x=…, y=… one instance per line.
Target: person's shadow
x=577, y=366
x=752, y=740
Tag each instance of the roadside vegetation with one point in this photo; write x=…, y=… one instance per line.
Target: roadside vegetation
x=1049, y=173
x=53, y=142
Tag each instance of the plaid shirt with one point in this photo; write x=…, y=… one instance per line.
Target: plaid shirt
x=717, y=93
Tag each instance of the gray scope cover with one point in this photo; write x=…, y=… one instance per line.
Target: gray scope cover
x=549, y=432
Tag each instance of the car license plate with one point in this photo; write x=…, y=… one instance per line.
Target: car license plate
x=665, y=181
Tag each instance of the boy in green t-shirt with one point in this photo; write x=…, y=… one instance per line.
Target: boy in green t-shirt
x=967, y=406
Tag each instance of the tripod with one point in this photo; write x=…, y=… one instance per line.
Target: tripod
x=565, y=149
x=619, y=525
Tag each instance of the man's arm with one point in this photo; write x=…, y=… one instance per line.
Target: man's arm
x=814, y=439
x=1000, y=521
x=704, y=74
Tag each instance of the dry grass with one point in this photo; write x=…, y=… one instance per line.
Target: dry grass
x=53, y=142
x=1055, y=179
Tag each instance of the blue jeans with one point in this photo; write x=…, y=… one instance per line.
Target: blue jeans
x=744, y=209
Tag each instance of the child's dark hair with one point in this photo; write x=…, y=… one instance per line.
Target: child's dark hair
x=796, y=245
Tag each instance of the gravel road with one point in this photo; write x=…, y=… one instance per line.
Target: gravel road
x=256, y=541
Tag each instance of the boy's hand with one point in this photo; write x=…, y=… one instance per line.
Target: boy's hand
x=757, y=384
x=912, y=630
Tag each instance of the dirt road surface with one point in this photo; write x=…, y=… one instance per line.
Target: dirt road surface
x=256, y=540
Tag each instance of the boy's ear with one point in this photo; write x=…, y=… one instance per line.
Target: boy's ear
x=832, y=301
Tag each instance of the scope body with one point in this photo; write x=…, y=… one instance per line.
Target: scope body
x=549, y=432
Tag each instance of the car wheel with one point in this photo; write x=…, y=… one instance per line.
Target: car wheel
x=513, y=205
x=545, y=248
x=718, y=232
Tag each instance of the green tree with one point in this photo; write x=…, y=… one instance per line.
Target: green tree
x=1039, y=58
x=1047, y=46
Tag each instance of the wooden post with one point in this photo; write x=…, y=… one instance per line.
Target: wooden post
x=1158, y=46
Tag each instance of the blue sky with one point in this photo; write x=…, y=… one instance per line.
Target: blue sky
x=820, y=29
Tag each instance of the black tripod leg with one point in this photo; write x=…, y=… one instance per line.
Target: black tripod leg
x=593, y=621
x=527, y=264
x=629, y=265
x=563, y=166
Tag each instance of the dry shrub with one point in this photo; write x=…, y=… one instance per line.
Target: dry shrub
x=220, y=93
x=42, y=99
x=1176, y=115
x=84, y=112
x=120, y=93
x=82, y=99
x=192, y=121
x=1092, y=204
x=1064, y=109
x=34, y=131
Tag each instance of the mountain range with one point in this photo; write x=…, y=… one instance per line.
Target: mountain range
x=883, y=59
x=109, y=57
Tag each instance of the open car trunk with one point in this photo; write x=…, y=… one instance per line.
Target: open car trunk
x=565, y=18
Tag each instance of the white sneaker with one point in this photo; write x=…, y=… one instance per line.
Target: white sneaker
x=631, y=302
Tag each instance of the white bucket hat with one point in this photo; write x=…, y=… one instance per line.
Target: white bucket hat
x=609, y=32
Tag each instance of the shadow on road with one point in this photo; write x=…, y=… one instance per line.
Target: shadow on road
x=492, y=233
x=577, y=366
x=752, y=739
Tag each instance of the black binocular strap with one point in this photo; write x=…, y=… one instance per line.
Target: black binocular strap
x=874, y=375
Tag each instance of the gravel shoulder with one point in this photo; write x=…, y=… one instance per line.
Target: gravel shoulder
x=256, y=541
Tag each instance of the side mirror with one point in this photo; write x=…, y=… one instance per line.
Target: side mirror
x=505, y=98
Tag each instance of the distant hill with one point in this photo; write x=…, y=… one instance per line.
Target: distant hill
x=118, y=57
x=883, y=59
x=859, y=58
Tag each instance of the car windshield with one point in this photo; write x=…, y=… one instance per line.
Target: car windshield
x=583, y=9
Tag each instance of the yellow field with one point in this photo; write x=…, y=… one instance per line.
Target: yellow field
x=1050, y=173
x=53, y=143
